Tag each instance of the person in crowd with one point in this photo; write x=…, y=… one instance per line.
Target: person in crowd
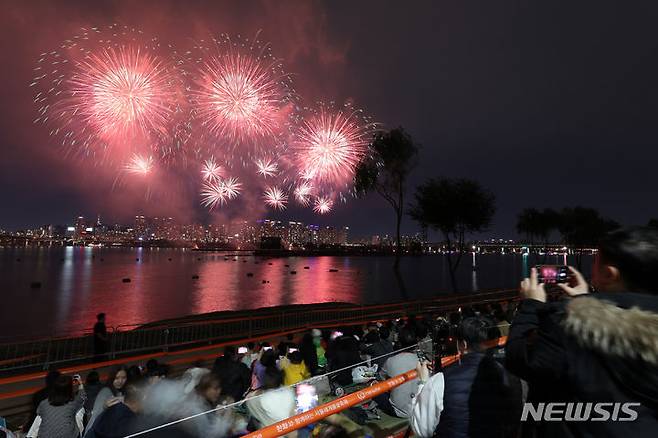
x=151, y=366
x=59, y=410
x=309, y=353
x=294, y=369
x=93, y=386
x=235, y=376
x=398, y=402
x=134, y=373
x=111, y=394
x=251, y=355
x=319, y=348
x=121, y=419
x=343, y=352
x=273, y=402
x=267, y=360
x=474, y=397
x=285, y=344
x=594, y=347
x=100, y=338
x=41, y=395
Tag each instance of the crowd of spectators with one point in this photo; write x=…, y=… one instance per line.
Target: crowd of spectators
x=573, y=346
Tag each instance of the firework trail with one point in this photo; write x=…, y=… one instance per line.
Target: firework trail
x=267, y=167
x=140, y=165
x=211, y=171
x=275, y=198
x=328, y=146
x=323, y=205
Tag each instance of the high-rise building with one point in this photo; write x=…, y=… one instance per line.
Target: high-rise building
x=79, y=227
x=140, y=228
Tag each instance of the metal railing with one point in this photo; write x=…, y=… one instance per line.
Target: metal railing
x=40, y=354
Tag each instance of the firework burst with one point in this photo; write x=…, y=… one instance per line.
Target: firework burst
x=303, y=193
x=106, y=93
x=211, y=171
x=267, y=167
x=275, y=198
x=239, y=95
x=140, y=165
x=329, y=145
x=323, y=205
x=218, y=192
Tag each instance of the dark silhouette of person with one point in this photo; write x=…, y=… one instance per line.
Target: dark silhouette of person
x=100, y=338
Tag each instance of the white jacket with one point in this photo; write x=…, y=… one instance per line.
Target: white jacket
x=427, y=406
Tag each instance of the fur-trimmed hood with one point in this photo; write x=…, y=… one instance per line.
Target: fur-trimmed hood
x=602, y=325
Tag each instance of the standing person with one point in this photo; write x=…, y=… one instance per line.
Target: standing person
x=59, y=410
x=594, y=347
x=100, y=338
x=274, y=403
x=111, y=394
x=267, y=360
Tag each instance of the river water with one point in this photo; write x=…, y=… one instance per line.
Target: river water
x=78, y=282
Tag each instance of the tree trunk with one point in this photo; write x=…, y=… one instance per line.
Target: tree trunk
x=398, y=247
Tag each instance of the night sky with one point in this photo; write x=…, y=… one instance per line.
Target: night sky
x=548, y=104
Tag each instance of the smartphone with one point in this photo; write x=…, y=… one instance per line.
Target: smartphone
x=307, y=397
x=267, y=348
x=335, y=335
x=292, y=350
x=77, y=379
x=243, y=350
x=552, y=274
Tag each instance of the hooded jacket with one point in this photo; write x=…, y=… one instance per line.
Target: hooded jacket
x=595, y=348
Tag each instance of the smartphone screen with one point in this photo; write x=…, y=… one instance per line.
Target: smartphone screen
x=307, y=397
x=242, y=350
x=292, y=350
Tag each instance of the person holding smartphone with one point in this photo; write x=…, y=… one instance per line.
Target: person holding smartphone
x=594, y=347
x=294, y=369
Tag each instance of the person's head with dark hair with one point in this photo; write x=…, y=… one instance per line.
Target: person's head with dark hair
x=251, y=346
x=295, y=357
x=151, y=366
x=230, y=352
x=371, y=337
x=209, y=388
x=51, y=377
x=93, y=378
x=407, y=338
x=134, y=373
x=268, y=359
x=61, y=392
x=133, y=396
x=384, y=332
x=116, y=380
x=473, y=331
x=100, y=317
x=627, y=261
x=273, y=378
x=290, y=337
x=333, y=431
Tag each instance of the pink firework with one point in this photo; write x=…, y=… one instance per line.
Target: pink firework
x=121, y=93
x=275, y=198
x=140, y=165
x=323, y=205
x=303, y=193
x=239, y=97
x=218, y=192
x=267, y=167
x=329, y=145
x=211, y=171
